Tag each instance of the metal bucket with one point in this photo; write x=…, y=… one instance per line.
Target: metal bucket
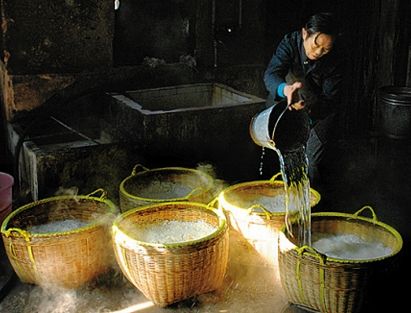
x=277, y=127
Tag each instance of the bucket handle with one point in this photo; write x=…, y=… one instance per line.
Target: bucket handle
x=254, y=207
x=365, y=207
x=275, y=176
x=138, y=168
x=102, y=196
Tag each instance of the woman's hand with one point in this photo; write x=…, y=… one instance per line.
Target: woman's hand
x=291, y=92
x=297, y=105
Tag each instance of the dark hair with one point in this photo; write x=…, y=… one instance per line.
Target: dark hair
x=324, y=22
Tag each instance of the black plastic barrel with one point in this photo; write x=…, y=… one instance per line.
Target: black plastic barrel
x=395, y=104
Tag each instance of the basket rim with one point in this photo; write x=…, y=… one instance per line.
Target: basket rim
x=221, y=197
x=387, y=227
x=7, y=232
x=172, y=168
x=222, y=221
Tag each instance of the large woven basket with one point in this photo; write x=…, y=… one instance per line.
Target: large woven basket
x=332, y=285
x=256, y=227
x=168, y=184
x=168, y=273
x=67, y=259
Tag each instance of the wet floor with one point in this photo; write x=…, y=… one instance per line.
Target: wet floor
x=373, y=172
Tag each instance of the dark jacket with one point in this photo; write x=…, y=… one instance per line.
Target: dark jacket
x=322, y=80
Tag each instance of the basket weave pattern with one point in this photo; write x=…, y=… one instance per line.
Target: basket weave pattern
x=166, y=274
x=199, y=183
x=64, y=259
x=258, y=227
x=330, y=285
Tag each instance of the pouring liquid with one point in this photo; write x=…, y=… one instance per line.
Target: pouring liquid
x=294, y=170
x=289, y=144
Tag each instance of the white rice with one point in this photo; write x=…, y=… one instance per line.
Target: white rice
x=162, y=190
x=57, y=226
x=349, y=247
x=167, y=232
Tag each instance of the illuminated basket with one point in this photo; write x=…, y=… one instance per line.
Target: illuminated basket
x=66, y=259
x=256, y=227
x=168, y=273
x=169, y=184
x=328, y=284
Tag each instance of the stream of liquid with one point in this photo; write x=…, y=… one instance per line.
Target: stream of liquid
x=294, y=170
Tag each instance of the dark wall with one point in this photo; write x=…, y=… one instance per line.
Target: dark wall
x=236, y=38
x=156, y=29
x=375, y=38
x=56, y=36
x=232, y=40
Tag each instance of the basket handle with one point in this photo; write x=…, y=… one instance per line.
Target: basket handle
x=254, y=207
x=193, y=192
x=275, y=176
x=102, y=196
x=23, y=233
x=219, y=211
x=138, y=168
x=320, y=256
x=26, y=236
x=213, y=202
x=365, y=207
x=216, y=204
x=322, y=259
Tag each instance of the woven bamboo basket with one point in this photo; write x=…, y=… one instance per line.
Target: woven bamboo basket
x=168, y=273
x=256, y=227
x=66, y=259
x=168, y=184
x=333, y=285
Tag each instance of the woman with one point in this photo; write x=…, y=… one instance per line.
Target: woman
x=307, y=70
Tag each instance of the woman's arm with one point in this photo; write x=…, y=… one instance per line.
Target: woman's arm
x=277, y=69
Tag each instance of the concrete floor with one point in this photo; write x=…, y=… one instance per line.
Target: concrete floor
x=362, y=172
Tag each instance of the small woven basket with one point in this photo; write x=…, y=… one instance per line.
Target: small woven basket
x=66, y=259
x=332, y=285
x=257, y=226
x=168, y=184
x=168, y=273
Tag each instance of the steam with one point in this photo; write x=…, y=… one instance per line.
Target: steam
x=245, y=289
x=254, y=283
x=250, y=285
x=71, y=191
x=86, y=300
x=218, y=184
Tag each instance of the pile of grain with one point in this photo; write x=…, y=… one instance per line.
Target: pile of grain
x=161, y=190
x=57, y=226
x=349, y=247
x=168, y=232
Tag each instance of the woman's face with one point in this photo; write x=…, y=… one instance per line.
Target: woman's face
x=316, y=45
